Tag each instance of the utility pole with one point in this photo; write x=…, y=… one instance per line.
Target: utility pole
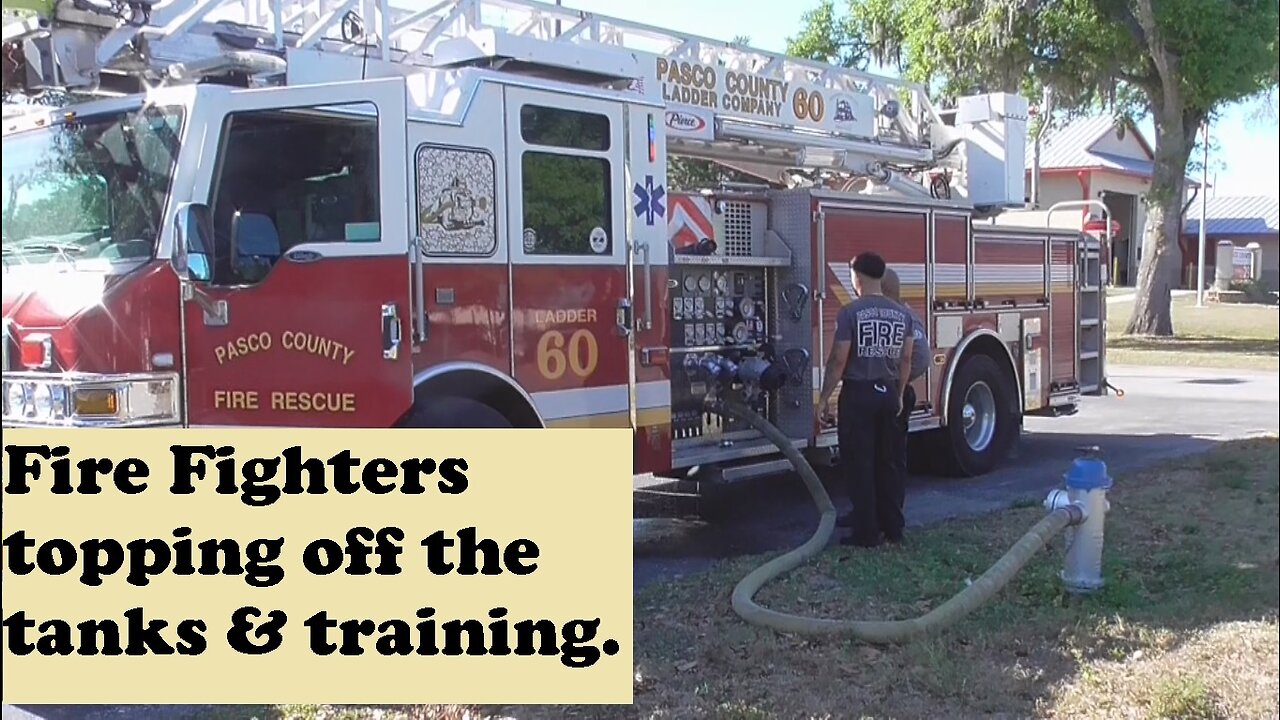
x=1204, y=204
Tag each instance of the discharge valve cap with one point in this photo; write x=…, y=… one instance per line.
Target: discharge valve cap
x=761, y=372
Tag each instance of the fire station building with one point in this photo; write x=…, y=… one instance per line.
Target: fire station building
x=1244, y=220
x=1100, y=158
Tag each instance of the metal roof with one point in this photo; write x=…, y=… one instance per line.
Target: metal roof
x=1070, y=147
x=1236, y=215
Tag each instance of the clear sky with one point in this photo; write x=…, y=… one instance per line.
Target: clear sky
x=1244, y=151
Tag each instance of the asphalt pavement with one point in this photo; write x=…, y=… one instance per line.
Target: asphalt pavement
x=1165, y=413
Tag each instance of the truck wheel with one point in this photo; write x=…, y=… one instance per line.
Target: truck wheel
x=452, y=411
x=981, y=421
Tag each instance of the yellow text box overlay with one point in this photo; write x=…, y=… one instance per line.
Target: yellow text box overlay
x=567, y=491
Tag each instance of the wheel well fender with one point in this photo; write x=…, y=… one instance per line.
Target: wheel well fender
x=482, y=384
x=984, y=342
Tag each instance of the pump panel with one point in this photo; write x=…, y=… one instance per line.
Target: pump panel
x=714, y=311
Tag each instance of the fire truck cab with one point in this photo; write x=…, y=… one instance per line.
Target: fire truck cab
x=349, y=214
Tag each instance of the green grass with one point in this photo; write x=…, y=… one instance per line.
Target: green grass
x=1221, y=336
x=1186, y=626
x=1182, y=698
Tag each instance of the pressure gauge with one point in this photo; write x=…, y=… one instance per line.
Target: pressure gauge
x=741, y=333
x=690, y=283
x=722, y=283
x=704, y=283
x=747, y=307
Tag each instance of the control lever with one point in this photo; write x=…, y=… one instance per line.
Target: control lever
x=795, y=295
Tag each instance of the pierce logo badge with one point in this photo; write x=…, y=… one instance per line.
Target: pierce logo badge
x=684, y=122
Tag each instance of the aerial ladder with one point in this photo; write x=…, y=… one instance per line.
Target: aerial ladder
x=794, y=120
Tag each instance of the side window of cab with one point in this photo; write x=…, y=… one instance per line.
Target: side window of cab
x=292, y=177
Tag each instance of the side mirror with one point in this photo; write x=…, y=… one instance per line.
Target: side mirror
x=192, y=257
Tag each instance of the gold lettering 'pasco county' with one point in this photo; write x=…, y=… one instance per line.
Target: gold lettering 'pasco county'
x=690, y=83
x=313, y=344
x=290, y=340
x=242, y=346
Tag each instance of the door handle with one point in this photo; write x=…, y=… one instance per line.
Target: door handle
x=390, y=332
x=625, y=317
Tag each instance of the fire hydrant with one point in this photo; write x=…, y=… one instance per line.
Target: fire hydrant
x=1087, y=483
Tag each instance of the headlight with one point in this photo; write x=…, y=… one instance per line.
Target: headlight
x=15, y=399
x=35, y=401
x=99, y=400
x=42, y=401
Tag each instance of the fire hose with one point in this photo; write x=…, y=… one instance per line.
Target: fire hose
x=1062, y=516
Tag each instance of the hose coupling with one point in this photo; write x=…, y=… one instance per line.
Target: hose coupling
x=1060, y=499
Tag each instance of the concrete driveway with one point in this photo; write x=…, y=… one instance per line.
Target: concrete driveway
x=1165, y=413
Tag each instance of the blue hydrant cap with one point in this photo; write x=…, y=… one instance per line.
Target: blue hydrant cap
x=1088, y=474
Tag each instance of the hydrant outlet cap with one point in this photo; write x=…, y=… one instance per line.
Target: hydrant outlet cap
x=1088, y=474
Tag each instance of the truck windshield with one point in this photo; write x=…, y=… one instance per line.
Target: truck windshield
x=89, y=187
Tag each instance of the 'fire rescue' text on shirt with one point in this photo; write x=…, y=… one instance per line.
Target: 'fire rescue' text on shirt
x=876, y=328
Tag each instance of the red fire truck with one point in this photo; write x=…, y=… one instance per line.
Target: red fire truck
x=348, y=213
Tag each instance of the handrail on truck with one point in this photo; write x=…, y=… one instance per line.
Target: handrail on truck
x=1065, y=204
x=1106, y=219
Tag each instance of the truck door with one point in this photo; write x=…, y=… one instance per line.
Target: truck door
x=571, y=305
x=302, y=288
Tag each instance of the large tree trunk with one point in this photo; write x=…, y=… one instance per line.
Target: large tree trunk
x=1158, y=271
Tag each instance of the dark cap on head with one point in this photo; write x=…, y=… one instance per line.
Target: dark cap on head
x=870, y=265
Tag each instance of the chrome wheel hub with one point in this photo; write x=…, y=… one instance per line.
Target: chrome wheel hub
x=978, y=416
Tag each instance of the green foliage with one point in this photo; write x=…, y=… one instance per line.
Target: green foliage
x=1178, y=61
x=828, y=38
x=73, y=204
x=92, y=188
x=686, y=174
x=565, y=197
x=1182, y=698
x=1095, y=53
x=1255, y=291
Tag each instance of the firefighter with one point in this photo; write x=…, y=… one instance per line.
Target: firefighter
x=870, y=358
x=890, y=286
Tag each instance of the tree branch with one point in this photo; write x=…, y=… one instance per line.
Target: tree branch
x=1166, y=63
x=1121, y=13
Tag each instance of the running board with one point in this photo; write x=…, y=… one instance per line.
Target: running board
x=921, y=421
x=742, y=472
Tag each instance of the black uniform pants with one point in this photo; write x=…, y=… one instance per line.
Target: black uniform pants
x=899, y=449
x=868, y=434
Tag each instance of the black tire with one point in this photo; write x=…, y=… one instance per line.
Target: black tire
x=452, y=411
x=982, y=418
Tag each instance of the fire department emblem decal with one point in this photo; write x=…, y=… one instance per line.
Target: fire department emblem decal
x=844, y=111
x=455, y=201
x=599, y=240
x=649, y=200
